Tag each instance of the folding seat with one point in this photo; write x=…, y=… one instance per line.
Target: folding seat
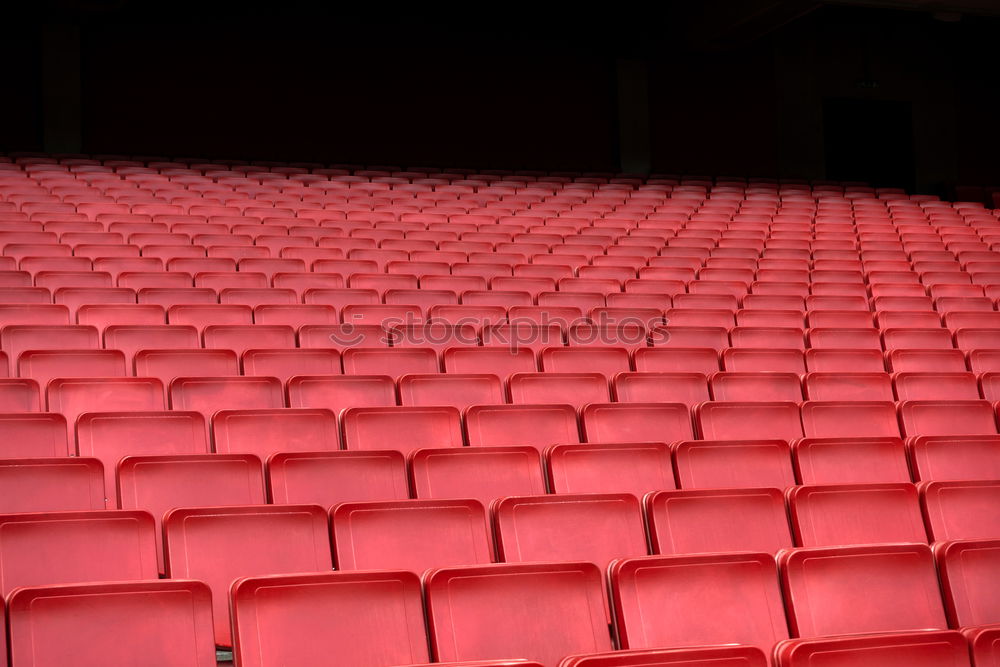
x=336, y=393
x=380, y=428
x=839, y=319
x=203, y=315
x=330, y=477
x=218, y=545
x=928, y=361
x=98, y=622
x=915, y=649
x=861, y=590
x=19, y=395
x=677, y=360
x=636, y=422
x=294, y=315
x=715, y=656
x=539, y=611
x=535, y=425
x=46, y=548
x=173, y=296
x=393, y=362
x=635, y=468
x=687, y=388
x=716, y=338
x=105, y=315
x=222, y=280
x=700, y=318
x=17, y=338
x=733, y=420
x=691, y=600
x=377, y=619
x=242, y=337
x=923, y=418
x=841, y=360
x=758, y=318
x=590, y=527
x=844, y=514
x=961, y=510
x=30, y=305
x=457, y=284
x=731, y=386
x=922, y=339
x=454, y=389
x=498, y=360
x=287, y=363
x=263, y=432
x=848, y=419
x=208, y=395
x=51, y=484
x=605, y=360
x=977, y=339
x=970, y=570
x=717, y=464
x=848, y=387
x=901, y=319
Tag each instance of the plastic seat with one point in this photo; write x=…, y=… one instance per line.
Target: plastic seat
x=961, y=510
x=622, y=336
x=539, y=611
x=384, y=315
x=393, y=362
x=844, y=514
x=692, y=600
x=710, y=656
x=913, y=649
x=480, y=473
x=131, y=338
x=218, y=545
x=719, y=464
x=916, y=339
x=850, y=460
x=256, y=297
x=285, y=364
x=17, y=338
x=158, y=484
x=166, y=365
x=958, y=457
x=753, y=360
x=240, y=338
x=338, y=393
x=113, y=623
x=265, y=432
x=403, y=429
x=174, y=296
x=223, y=280
x=920, y=418
x=45, y=365
x=523, y=336
x=861, y=589
x=635, y=468
x=19, y=395
x=596, y=528
x=339, y=298
x=676, y=360
x=844, y=339
x=984, y=360
x=535, y=425
x=731, y=421
x=849, y=419
x=435, y=335
x=38, y=314
x=328, y=478
x=105, y=315
x=604, y=360
x=208, y=395
x=202, y=315
x=72, y=397
x=576, y=389
x=935, y=386
x=715, y=521
x=927, y=361
x=844, y=361
x=969, y=575
x=51, y=484
x=375, y=619
x=840, y=319
x=687, y=388
x=848, y=387
x=47, y=548
x=669, y=336
x=454, y=389
x=343, y=336
x=636, y=422
x=730, y=386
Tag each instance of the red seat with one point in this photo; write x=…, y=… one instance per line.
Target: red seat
x=328, y=478
x=223, y=280
x=920, y=418
x=960, y=510
x=911, y=649
x=536, y=425
x=605, y=360
x=208, y=395
x=17, y=338
x=393, y=362
x=844, y=339
x=955, y=457
x=729, y=386
x=848, y=387
x=44, y=313
x=256, y=297
x=687, y=388
x=752, y=360
x=240, y=337
x=288, y=363
x=436, y=335
x=539, y=611
x=454, y=389
x=636, y=422
x=265, y=432
x=218, y=545
x=936, y=386
x=51, y=484
x=343, y=336
x=403, y=429
x=715, y=338
x=73, y=397
x=46, y=548
x=849, y=419
x=635, y=468
x=104, y=315
x=338, y=393
x=709, y=656
x=339, y=298
x=927, y=361
x=731, y=421
x=844, y=514
x=166, y=365
x=160, y=483
x=174, y=296
x=202, y=315
x=723, y=464
x=377, y=618
x=850, y=460
x=714, y=521
x=969, y=575
x=381, y=314
x=481, y=473
x=984, y=360
x=112, y=623
x=677, y=360
x=19, y=395
x=916, y=339
x=576, y=389
x=845, y=361
x=131, y=338
x=45, y=365
x=669, y=601
x=596, y=528
x=861, y=589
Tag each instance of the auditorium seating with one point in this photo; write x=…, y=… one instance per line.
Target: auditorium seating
x=251, y=373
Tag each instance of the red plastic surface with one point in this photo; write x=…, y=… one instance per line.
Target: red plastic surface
x=850, y=460
x=635, y=468
x=730, y=421
x=970, y=578
x=328, y=478
x=482, y=473
x=843, y=514
x=849, y=419
x=265, y=432
x=715, y=464
x=961, y=510
x=912, y=649
x=403, y=429
x=455, y=389
x=636, y=422
x=51, y=484
x=535, y=425
x=955, y=457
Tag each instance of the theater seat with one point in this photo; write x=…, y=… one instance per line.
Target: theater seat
x=481, y=473
x=328, y=478
x=218, y=545
x=112, y=624
x=537, y=611
x=367, y=618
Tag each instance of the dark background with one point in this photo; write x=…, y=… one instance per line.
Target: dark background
x=896, y=93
